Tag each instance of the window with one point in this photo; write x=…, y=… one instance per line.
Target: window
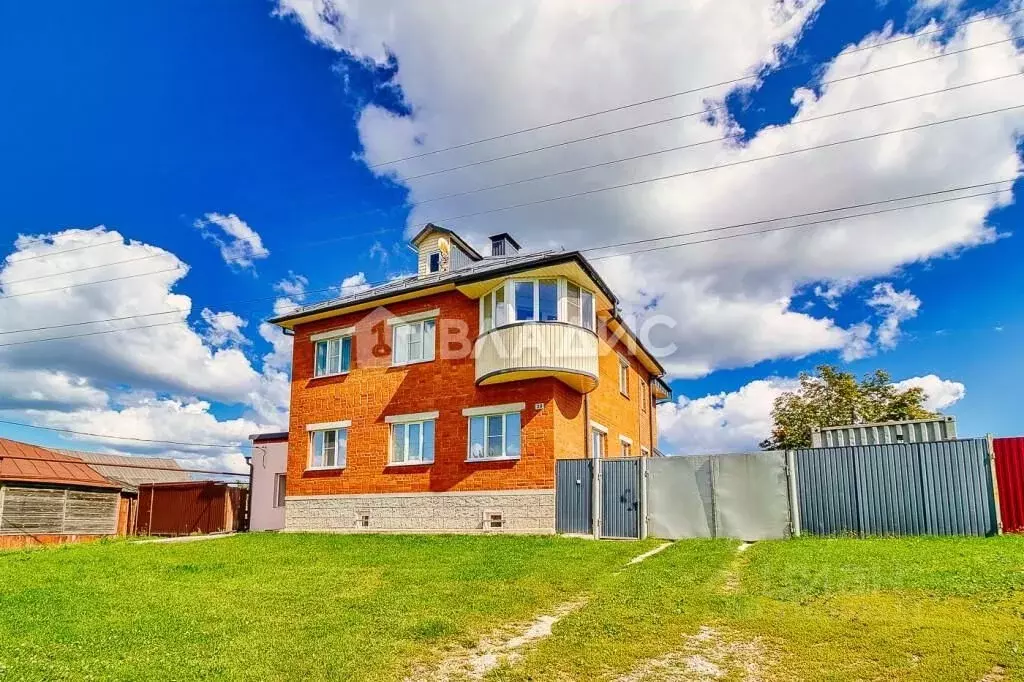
x=413, y=342
x=494, y=436
x=328, y=448
x=625, y=446
x=547, y=300
x=280, y=486
x=644, y=452
x=645, y=391
x=412, y=442
x=537, y=300
x=624, y=376
x=524, y=301
x=434, y=262
x=333, y=356
x=598, y=442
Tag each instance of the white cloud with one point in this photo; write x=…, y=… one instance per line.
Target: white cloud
x=294, y=289
x=895, y=307
x=239, y=244
x=939, y=393
x=723, y=422
x=80, y=382
x=737, y=421
x=731, y=299
x=223, y=328
x=380, y=253
x=354, y=284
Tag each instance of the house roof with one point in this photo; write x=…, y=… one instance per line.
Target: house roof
x=133, y=471
x=268, y=437
x=459, y=241
x=26, y=463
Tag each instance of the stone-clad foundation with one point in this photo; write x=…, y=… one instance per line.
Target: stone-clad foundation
x=512, y=511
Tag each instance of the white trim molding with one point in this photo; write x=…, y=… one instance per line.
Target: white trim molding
x=493, y=409
x=415, y=417
x=414, y=317
x=327, y=426
x=332, y=334
x=600, y=427
x=625, y=439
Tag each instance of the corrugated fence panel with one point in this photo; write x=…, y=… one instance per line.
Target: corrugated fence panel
x=1010, y=476
x=934, y=488
x=620, y=498
x=574, y=499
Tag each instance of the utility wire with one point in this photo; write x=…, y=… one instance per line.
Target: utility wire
x=91, y=267
x=131, y=438
x=724, y=138
x=732, y=81
x=683, y=234
x=85, y=284
x=731, y=164
x=721, y=107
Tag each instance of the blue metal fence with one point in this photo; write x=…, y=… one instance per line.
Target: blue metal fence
x=574, y=497
x=939, y=488
x=620, y=498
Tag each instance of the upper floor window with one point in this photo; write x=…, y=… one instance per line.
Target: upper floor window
x=434, y=262
x=645, y=392
x=413, y=342
x=624, y=376
x=333, y=356
x=537, y=300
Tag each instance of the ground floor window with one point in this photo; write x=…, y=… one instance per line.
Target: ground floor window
x=412, y=442
x=280, y=485
x=328, y=448
x=494, y=436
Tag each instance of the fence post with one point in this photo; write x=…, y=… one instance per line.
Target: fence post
x=794, y=500
x=595, y=494
x=643, y=497
x=995, y=484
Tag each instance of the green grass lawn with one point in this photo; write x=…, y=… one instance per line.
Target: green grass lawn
x=372, y=607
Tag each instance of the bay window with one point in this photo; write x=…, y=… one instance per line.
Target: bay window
x=537, y=300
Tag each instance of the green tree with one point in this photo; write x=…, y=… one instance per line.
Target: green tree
x=830, y=397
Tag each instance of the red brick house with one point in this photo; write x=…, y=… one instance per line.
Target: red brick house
x=440, y=401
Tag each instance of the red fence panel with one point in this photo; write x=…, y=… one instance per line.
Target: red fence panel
x=1009, y=455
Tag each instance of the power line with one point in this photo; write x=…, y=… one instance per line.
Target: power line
x=678, y=235
x=91, y=267
x=720, y=107
x=712, y=141
x=808, y=224
x=731, y=164
x=84, y=284
x=131, y=438
x=689, y=91
x=36, y=240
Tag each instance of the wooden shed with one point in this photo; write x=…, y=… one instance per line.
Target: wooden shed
x=47, y=497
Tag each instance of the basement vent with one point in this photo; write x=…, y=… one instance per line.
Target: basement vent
x=494, y=520
x=363, y=519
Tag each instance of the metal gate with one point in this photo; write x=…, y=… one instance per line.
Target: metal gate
x=1009, y=463
x=620, y=498
x=574, y=496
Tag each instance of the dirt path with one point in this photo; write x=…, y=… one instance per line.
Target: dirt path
x=711, y=654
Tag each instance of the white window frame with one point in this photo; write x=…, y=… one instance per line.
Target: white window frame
x=503, y=411
x=280, y=489
x=430, y=255
x=645, y=451
x=337, y=428
x=603, y=430
x=623, y=377
x=419, y=320
x=405, y=420
x=625, y=446
x=508, y=289
x=327, y=338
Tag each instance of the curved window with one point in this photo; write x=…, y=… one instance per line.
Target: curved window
x=547, y=299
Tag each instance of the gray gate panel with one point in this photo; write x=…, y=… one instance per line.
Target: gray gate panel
x=752, y=496
x=620, y=498
x=574, y=500
x=679, y=498
x=934, y=488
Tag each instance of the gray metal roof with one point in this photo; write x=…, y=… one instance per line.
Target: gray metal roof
x=132, y=471
x=477, y=270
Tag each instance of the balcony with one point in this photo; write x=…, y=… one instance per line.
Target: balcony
x=531, y=350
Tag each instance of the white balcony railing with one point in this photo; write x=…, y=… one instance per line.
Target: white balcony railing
x=529, y=350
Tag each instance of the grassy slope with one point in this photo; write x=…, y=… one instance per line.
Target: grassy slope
x=925, y=609
x=269, y=607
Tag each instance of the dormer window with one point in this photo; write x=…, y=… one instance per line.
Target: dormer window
x=545, y=299
x=434, y=262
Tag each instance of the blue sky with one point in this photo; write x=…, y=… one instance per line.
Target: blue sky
x=146, y=117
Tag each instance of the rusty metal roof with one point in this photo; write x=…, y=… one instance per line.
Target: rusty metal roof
x=32, y=464
x=133, y=471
